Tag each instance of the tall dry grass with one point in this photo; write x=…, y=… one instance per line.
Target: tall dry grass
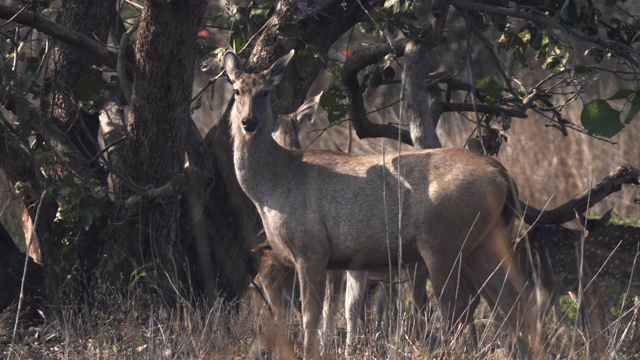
x=113, y=325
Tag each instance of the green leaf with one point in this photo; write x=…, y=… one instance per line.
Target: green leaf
x=633, y=109
x=333, y=102
x=598, y=117
x=490, y=88
x=49, y=12
x=622, y=94
x=32, y=64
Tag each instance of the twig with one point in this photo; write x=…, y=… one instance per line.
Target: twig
x=13, y=17
x=134, y=5
x=162, y=195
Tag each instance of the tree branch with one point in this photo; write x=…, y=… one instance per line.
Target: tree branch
x=622, y=175
x=61, y=33
x=157, y=196
x=483, y=108
x=415, y=101
x=623, y=51
x=363, y=126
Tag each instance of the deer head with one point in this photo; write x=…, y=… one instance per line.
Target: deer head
x=251, y=93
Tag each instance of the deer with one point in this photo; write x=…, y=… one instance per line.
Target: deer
x=610, y=257
x=276, y=281
x=449, y=208
x=600, y=260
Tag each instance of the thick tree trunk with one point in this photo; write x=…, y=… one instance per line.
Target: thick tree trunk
x=65, y=69
x=155, y=148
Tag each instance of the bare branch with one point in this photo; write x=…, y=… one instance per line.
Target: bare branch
x=483, y=108
x=622, y=175
x=621, y=50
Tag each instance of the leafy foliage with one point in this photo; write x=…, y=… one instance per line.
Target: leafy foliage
x=333, y=101
x=599, y=117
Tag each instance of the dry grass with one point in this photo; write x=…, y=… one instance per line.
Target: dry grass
x=128, y=326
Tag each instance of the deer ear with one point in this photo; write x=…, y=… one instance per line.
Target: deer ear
x=307, y=111
x=597, y=224
x=607, y=216
x=275, y=72
x=232, y=65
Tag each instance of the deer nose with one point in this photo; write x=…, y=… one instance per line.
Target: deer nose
x=249, y=124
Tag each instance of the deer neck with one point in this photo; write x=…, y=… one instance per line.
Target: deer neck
x=258, y=163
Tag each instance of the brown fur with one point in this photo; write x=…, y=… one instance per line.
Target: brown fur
x=323, y=210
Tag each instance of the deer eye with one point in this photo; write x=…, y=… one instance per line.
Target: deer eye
x=236, y=92
x=265, y=93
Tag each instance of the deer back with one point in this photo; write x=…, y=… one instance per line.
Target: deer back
x=611, y=253
x=554, y=252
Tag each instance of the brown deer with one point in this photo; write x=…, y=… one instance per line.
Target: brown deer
x=275, y=280
x=323, y=210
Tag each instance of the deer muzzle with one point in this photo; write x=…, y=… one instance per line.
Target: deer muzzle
x=249, y=124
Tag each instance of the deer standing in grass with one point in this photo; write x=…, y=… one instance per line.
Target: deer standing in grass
x=324, y=210
x=276, y=281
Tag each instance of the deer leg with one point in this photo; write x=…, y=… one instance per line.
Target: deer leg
x=354, y=305
x=469, y=290
x=335, y=280
x=419, y=299
x=278, y=282
x=312, y=277
x=380, y=306
x=595, y=313
x=490, y=264
x=449, y=287
x=419, y=288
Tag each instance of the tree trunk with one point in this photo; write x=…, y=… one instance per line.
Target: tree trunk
x=155, y=149
x=65, y=68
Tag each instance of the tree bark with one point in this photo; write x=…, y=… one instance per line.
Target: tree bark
x=154, y=153
x=415, y=102
x=70, y=132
